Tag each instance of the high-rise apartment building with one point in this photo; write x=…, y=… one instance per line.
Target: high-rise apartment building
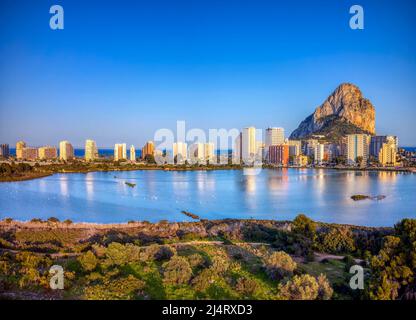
x=274, y=137
x=248, y=144
x=180, y=151
x=388, y=152
x=120, y=151
x=4, y=150
x=358, y=148
x=91, y=151
x=19, y=149
x=209, y=152
x=47, y=153
x=148, y=149
x=295, y=147
x=132, y=153
x=197, y=152
x=377, y=142
x=279, y=154
x=66, y=151
x=29, y=153
x=319, y=153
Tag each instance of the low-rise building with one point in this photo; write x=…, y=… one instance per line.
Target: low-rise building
x=47, y=153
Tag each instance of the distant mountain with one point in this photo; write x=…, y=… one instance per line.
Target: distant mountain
x=345, y=111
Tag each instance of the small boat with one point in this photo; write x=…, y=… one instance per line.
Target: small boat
x=131, y=185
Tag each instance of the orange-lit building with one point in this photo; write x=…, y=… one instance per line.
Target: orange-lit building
x=279, y=154
x=148, y=149
x=29, y=153
x=47, y=153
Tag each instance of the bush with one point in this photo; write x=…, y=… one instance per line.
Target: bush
x=337, y=241
x=88, y=261
x=304, y=287
x=247, y=287
x=325, y=290
x=279, y=265
x=68, y=221
x=118, y=254
x=177, y=271
x=304, y=226
x=53, y=219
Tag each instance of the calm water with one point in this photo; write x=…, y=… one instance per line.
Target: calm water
x=323, y=195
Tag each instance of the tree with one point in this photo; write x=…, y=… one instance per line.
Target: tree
x=305, y=226
x=394, y=267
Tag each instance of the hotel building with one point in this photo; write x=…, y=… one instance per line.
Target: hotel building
x=209, y=152
x=274, y=136
x=357, y=147
x=91, y=151
x=120, y=151
x=66, y=151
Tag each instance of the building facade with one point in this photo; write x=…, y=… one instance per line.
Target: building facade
x=4, y=150
x=388, y=153
x=66, y=151
x=180, y=151
x=29, y=153
x=319, y=153
x=377, y=142
x=279, y=155
x=19, y=149
x=248, y=145
x=91, y=151
x=358, y=146
x=209, y=152
x=120, y=151
x=148, y=149
x=295, y=147
x=132, y=153
x=47, y=153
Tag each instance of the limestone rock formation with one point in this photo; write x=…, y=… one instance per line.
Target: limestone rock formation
x=345, y=111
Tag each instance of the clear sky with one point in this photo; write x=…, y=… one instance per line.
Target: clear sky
x=120, y=70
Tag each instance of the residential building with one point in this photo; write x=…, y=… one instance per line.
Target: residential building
x=319, y=153
x=91, y=151
x=180, y=151
x=47, y=153
x=248, y=144
x=66, y=151
x=197, y=152
x=274, y=136
x=358, y=148
x=388, y=152
x=309, y=147
x=133, y=153
x=377, y=142
x=237, y=150
x=4, y=150
x=29, y=153
x=295, y=147
x=209, y=152
x=279, y=154
x=19, y=149
x=301, y=160
x=148, y=149
x=120, y=151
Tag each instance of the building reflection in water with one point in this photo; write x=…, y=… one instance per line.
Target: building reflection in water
x=89, y=186
x=63, y=185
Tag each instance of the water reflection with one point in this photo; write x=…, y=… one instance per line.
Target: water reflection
x=324, y=195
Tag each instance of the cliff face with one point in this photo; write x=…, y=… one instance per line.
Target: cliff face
x=345, y=111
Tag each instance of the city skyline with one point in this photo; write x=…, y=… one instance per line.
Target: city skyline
x=146, y=70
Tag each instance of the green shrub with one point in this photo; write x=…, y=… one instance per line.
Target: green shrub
x=177, y=271
x=88, y=261
x=279, y=265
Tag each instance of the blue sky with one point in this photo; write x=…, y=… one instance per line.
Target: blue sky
x=120, y=70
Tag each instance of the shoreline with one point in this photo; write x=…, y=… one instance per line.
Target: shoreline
x=38, y=175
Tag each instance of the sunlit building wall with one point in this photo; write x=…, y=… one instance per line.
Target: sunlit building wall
x=91, y=151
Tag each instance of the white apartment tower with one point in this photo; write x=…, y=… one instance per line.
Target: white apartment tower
x=132, y=153
x=180, y=151
x=91, y=151
x=358, y=146
x=248, y=144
